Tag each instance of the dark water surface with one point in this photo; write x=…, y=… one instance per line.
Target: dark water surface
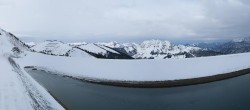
x=230, y=94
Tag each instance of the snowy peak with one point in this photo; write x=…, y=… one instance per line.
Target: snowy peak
x=102, y=51
x=5, y=46
x=155, y=44
x=82, y=49
x=98, y=48
x=8, y=41
x=151, y=49
x=112, y=44
x=163, y=49
x=93, y=48
x=52, y=47
x=58, y=48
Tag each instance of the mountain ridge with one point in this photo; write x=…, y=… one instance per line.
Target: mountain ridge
x=148, y=49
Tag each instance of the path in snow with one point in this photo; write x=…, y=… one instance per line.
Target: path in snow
x=12, y=93
x=18, y=91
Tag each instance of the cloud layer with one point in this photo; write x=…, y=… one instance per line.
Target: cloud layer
x=127, y=19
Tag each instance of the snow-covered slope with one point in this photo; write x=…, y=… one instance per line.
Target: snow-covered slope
x=162, y=49
x=93, y=48
x=112, y=44
x=150, y=49
x=8, y=41
x=82, y=49
x=102, y=51
x=18, y=91
x=58, y=48
x=153, y=49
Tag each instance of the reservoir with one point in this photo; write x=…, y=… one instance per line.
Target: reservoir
x=229, y=94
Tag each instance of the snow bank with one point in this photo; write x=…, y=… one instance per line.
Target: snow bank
x=12, y=92
x=19, y=91
x=140, y=70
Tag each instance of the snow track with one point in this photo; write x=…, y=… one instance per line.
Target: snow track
x=18, y=91
x=38, y=101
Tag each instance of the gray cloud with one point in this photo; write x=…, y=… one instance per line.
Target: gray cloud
x=127, y=19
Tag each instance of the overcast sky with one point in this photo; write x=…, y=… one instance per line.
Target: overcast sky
x=127, y=19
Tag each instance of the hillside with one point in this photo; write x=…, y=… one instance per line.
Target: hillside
x=18, y=91
x=57, y=48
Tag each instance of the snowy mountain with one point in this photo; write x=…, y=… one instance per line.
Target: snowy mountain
x=127, y=48
x=239, y=45
x=21, y=92
x=153, y=49
x=8, y=41
x=235, y=46
x=57, y=48
x=150, y=49
x=163, y=49
x=102, y=51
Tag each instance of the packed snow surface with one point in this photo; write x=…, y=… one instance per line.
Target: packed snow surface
x=140, y=70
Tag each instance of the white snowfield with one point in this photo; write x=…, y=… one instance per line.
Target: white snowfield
x=139, y=70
